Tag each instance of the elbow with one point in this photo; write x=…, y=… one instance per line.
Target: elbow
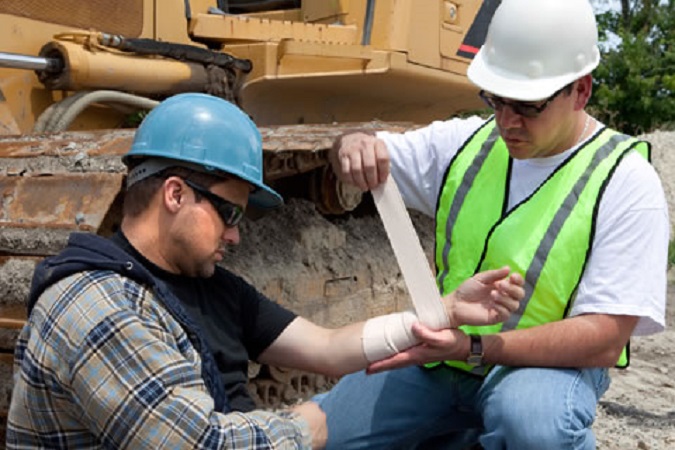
x=334, y=371
x=610, y=357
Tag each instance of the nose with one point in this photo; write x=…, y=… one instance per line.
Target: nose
x=506, y=118
x=231, y=235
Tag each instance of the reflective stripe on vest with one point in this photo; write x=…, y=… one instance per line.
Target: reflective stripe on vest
x=546, y=237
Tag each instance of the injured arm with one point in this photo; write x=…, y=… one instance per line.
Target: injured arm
x=486, y=298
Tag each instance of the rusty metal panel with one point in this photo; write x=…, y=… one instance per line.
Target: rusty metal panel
x=75, y=201
x=115, y=142
x=296, y=149
x=318, y=137
x=12, y=317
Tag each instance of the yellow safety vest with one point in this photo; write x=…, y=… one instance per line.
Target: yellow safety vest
x=547, y=237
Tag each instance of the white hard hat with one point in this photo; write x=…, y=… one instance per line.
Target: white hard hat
x=535, y=47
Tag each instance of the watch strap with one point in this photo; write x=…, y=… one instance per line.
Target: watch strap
x=475, y=350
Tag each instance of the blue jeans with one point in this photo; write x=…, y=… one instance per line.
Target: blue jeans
x=512, y=408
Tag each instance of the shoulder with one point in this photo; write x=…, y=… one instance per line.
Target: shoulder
x=71, y=308
x=236, y=289
x=636, y=183
x=223, y=277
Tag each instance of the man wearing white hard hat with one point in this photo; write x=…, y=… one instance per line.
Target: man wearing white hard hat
x=540, y=186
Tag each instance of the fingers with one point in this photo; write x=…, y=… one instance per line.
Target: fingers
x=517, y=279
x=394, y=362
x=360, y=159
x=491, y=276
x=502, y=308
x=507, y=288
x=382, y=161
x=507, y=296
x=426, y=334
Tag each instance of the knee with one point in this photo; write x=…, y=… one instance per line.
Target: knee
x=536, y=425
x=539, y=418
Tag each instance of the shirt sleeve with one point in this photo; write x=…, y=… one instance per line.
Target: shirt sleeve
x=626, y=271
x=265, y=319
x=420, y=158
x=137, y=381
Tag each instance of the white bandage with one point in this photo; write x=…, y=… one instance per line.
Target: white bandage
x=417, y=274
x=384, y=336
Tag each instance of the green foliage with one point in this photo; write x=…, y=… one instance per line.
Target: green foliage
x=133, y=120
x=634, y=86
x=671, y=254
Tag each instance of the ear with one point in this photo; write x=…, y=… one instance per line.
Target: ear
x=582, y=90
x=173, y=194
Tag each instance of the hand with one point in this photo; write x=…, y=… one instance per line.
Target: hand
x=486, y=298
x=360, y=159
x=316, y=419
x=447, y=344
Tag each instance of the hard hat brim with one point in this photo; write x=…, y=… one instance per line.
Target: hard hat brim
x=523, y=89
x=264, y=197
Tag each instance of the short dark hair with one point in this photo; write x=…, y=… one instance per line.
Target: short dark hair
x=137, y=198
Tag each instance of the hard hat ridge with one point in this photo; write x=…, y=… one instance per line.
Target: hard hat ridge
x=206, y=133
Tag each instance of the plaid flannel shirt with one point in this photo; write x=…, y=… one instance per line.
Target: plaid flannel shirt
x=102, y=364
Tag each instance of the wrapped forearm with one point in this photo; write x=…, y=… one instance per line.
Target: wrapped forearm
x=384, y=336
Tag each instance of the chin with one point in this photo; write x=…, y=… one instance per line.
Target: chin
x=519, y=151
x=515, y=154
x=206, y=272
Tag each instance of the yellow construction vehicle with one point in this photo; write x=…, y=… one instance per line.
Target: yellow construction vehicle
x=76, y=77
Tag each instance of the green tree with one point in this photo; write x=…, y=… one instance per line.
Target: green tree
x=634, y=86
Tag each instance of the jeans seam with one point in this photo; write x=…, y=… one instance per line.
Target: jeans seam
x=596, y=384
x=570, y=408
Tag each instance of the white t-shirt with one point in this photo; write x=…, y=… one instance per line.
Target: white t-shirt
x=626, y=271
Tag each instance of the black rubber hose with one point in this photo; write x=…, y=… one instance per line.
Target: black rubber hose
x=183, y=52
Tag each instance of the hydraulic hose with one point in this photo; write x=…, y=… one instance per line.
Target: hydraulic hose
x=60, y=115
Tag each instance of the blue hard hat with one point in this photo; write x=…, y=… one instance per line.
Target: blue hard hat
x=209, y=133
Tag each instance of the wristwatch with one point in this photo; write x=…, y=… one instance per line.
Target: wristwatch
x=475, y=351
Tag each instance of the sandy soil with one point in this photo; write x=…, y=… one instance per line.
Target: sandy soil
x=638, y=411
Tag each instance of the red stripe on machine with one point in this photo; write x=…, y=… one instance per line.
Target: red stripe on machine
x=468, y=49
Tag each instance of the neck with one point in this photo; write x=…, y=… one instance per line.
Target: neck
x=585, y=129
x=146, y=241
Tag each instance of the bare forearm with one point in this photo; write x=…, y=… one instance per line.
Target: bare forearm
x=346, y=350
x=586, y=341
x=306, y=346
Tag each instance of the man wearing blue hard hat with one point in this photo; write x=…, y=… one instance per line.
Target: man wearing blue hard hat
x=143, y=341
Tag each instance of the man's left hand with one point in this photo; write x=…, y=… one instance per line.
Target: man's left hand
x=486, y=298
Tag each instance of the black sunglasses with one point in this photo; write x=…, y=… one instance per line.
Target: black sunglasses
x=229, y=212
x=525, y=109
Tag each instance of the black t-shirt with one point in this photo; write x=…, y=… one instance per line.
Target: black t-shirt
x=237, y=321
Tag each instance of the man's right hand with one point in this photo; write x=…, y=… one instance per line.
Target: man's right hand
x=360, y=159
x=316, y=418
